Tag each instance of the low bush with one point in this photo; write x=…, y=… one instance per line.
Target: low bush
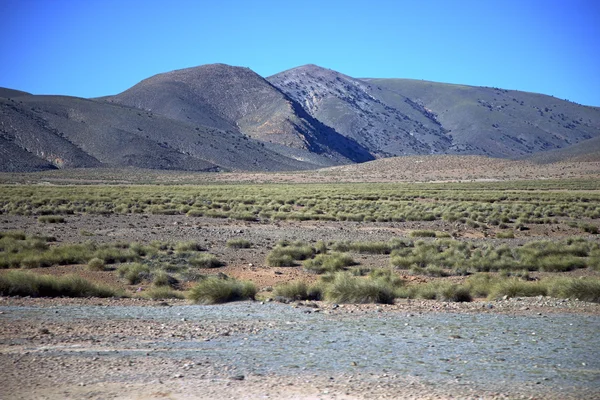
x=162, y=278
x=423, y=233
x=214, y=290
x=20, y=283
x=517, y=288
x=96, y=264
x=183, y=247
x=134, y=273
x=298, y=291
x=328, y=263
x=443, y=291
x=51, y=219
x=582, y=289
x=589, y=228
x=206, y=261
x=346, y=288
x=505, y=235
x=363, y=247
x=285, y=255
x=239, y=244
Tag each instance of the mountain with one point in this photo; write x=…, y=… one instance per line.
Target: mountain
x=355, y=109
x=394, y=117
x=498, y=122
x=235, y=98
x=222, y=118
x=69, y=132
x=585, y=151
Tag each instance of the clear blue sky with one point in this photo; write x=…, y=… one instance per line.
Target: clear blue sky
x=92, y=48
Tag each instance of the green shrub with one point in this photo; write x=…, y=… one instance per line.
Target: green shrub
x=162, y=278
x=19, y=283
x=183, y=247
x=455, y=293
x=284, y=255
x=96, y=264
x=422, y=233
x=587, y=289
x=517, y=288
x=239, y=244
x=386, y=275
x=298, y=291
x=206, y=261
x=589, y=228
x=275, y=259
x=328, y=263
x=213, y=291
x=133, y=273
x=346, y=288
x=51, y=219
x=16, y=235
x=505, y=235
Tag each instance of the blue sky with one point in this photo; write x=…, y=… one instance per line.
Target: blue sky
x=93, y=48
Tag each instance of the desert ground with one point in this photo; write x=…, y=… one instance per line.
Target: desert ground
x=528, y=334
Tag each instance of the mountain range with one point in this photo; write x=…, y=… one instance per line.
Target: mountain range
x=222, y=118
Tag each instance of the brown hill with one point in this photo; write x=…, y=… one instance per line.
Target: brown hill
x=70, y=132
x=235, y=98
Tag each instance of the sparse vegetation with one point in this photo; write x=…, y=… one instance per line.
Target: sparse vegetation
x=96, y=264
x=298, y=291
x=286, y=254
x=331, y=262
x=206, y=260
x=347, y=288
x=134, y=273
x=51, y=219
x=20, y=283
x=239, y=244
x=214, y=290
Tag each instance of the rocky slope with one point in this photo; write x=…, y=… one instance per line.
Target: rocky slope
x=235, y=98
x=405, y=117
x=218, y=117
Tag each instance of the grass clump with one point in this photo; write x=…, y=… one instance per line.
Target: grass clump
x=285, y=254
x=20, y=283
x=423, y=233
x=363, y=247
x=51, y=219
x=214, y=291
x=161, y=278
x=96, y=264
x=206, y=261
x=346, y=288
x=328, y=263
x=443, y=291
x=183, y=247
x=134, y=273
x=505, y=235
x=298, y=291
x=238, y=244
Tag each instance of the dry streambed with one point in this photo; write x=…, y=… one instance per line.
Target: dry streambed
x=253, y=350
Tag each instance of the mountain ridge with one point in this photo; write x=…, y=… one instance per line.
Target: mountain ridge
x=218, y=117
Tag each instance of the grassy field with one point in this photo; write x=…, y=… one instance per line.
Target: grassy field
x=510, y=205
x=171, y=269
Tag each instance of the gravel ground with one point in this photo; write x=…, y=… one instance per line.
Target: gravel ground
x=104, y=349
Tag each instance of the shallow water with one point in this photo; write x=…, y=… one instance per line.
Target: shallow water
x=558, y=351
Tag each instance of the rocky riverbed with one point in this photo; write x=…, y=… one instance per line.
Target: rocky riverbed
x=107, y=349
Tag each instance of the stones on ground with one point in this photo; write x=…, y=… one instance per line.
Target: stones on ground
x=237, y=377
